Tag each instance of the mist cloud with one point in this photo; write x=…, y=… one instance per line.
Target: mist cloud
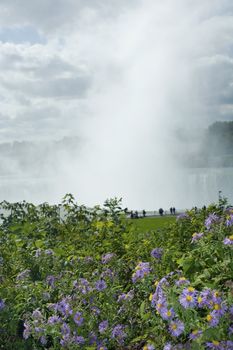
x=124, y=76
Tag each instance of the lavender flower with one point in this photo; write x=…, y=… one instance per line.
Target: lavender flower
x=176, y=328
x=43, y=340
x=212, y=219
x=228, y=240
x=95, y=310
x=141, y=270
x=167, y=314
x=23, y=275
x=229, y=220
x=157, y=253
x=79, y=340
x=65, y=329
x=181, y=281
x=82, y=285
x=118, y=333
x=50, y=280
x=107, y=258
x=214, y=345
x=182, y=216
x=195, y=334
x=100, y=285
x=64, y=307
x=213, y=319
x=103, y=326
x=26, y=331
x=78, y=319
x=168, y=346
x=2, y=304
x=54, y=320
x=126, y=296
x=148, y=347
x=188, y=298
x=196, y=236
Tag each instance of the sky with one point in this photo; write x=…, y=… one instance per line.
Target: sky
x=121, y=75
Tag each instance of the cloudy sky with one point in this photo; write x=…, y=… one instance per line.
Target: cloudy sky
x=123, y=75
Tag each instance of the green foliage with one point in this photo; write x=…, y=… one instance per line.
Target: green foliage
x=53, y=258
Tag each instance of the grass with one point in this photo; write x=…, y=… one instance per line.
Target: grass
x=155, y=223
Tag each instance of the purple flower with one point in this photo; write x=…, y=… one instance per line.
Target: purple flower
x=37, y=315
x=82, y=285
x=49, y=252
x=141, y=270
x=26, y=331
x=176, y=328
x=92, y=338
x=50, y=279
x=100, y=285
x=195, y=334
x=229, y=220
x=107, y=273
x=107, y=257
x=212, y=219
x=157, y=253
x=228, y=240
x=214, y=345
x=148, y=347
x=182, y=216
x=196, y=236
x=79, y=340
x=64, y=307
x=213, y=319
x=181, y=281
x=65, y=329
x=167, y=314
x=118, y=333
x=168, y=346
x=126, y=296
x=188, y=298
x=43, y=340
x=54, y=320
x=103, y=326
x=2, y=304
x=22, y=275
x=95, y=310
x=205, y=299
x=78, y=319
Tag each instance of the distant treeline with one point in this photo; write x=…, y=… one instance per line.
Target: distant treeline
x=35, y=158
x=216, y=147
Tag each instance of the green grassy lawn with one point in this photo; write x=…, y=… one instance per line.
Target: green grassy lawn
x=146, y=224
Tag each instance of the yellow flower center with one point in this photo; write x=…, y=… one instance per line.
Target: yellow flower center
x=151, y=296
x=217, y=307
x=169, y=313
x=174, y=326
x=195, y=332
x=231, y=237
x=191, y=289
x=159, y=306
x=199, y=299
x=182, y=279
x=145, y=347
x=215, y=342
x=189, y=298
x=156, y=283
x=209, y=318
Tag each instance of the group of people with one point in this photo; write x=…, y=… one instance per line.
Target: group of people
x=134, y=215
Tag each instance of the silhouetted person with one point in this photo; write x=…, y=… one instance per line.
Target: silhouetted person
x=131, y=214
x=136, y=214
x=161, y=211
x=174, y=210
x=171, y=210
x=144, y=213
x=195, y=210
